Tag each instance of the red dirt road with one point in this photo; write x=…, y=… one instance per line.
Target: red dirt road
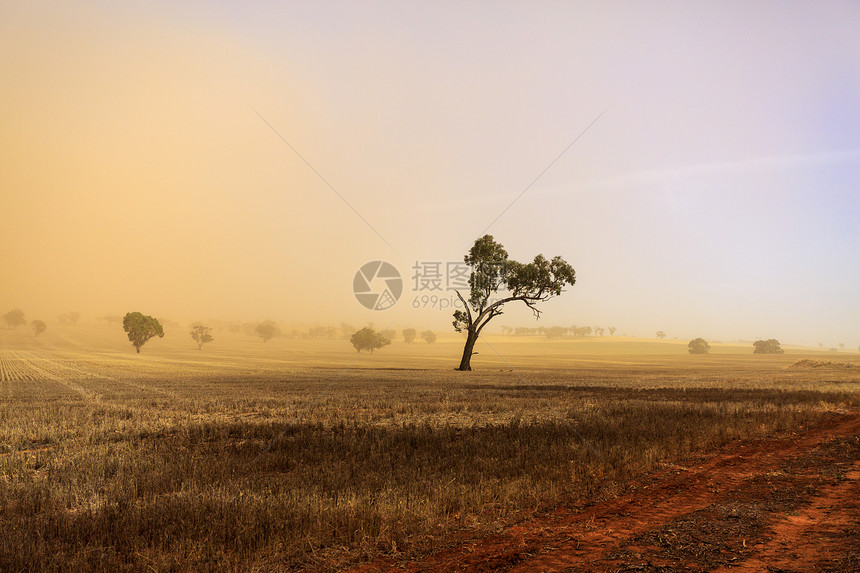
x=766, y=505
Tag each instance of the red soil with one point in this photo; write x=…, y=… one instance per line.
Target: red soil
x=789, y=504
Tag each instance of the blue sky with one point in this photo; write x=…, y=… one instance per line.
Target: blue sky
x=717, y=196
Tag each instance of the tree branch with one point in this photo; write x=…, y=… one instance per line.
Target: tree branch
x=466, y=306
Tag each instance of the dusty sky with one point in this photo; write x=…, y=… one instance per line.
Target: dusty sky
x=144, y=162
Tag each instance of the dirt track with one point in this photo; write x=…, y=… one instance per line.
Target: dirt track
x=790, y=504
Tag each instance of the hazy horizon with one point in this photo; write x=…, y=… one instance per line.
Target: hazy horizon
x=143, y=163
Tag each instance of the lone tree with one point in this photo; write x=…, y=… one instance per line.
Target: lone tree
x=409, y=335
x=267, y=330
x=530, y=283
x=429, y=336
x=39, y=327
x=141, y=328
x=611, y=331
x=201, y=335
x=699, y=346
x=770, y=346
x=15, y=318
x=661, y=335
x=368, y=339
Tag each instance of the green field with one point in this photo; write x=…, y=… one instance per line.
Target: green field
x=302, y=453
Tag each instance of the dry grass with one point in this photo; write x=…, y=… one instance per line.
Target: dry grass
x=810, y=363
x=251, y=459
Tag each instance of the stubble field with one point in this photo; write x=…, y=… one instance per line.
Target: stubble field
x=301, y=454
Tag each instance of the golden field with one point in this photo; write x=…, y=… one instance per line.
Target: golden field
x=296, y=454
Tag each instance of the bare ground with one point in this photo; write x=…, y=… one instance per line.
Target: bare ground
x=786, y=504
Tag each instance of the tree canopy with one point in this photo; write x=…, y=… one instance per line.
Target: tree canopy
x=492, y=271
x=267, y=330
x=141, y=328
x=698, y=346
x=409, y=335
x=429, y=336
x=201, y=335
x=770, y=346
x=15, y=318
x=368, y=339
x=39, y=327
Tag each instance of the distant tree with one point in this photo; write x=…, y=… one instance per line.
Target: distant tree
x=15, y=318
x=599, y=331
x=661, y=335
x=389, y=334
x=429, y=336
x=699, y=346
x=368, y=339
x=69, y=318
x=507, y=329
x=611, y=331
x=38, y=327
x=346, y=330
x=141, y=328
x=322, y=332
x=267, y=330
x=770, y=346
x=201, y=335
x=409, y=335
x=842, y=346
x=555, y=332
x=491, y=270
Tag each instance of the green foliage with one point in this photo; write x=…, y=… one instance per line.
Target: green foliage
x=429, y=336
x=267, y=330
x=39, y=327
x=409, y=335
x=770, y=346
x=15, y=318
x=530, y=283
x=201, y=335
x=368, y=339
x=492, y=271
x=141, y=328
x=698, y=346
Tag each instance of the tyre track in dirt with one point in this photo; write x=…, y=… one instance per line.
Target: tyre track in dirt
x=600, y=536
x=802, y=540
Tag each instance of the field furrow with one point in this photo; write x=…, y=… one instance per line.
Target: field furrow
x=35, y=373
x=87, y=375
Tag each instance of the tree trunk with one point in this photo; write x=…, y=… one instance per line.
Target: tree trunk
x=471, y=339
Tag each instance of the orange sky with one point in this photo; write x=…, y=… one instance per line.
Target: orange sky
x=716, y=197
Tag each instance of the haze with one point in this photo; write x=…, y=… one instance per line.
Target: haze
x=144, y=162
